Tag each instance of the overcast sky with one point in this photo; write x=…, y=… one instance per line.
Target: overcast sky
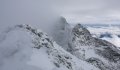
x=89, y=11
x=83, y=11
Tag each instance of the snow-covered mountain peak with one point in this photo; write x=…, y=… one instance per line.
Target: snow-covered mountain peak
x=88, y=48
x=41, y=52
x=82, y=35
x=67, y=49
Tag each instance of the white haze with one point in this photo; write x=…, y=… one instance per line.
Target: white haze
x=38, y=13
x=89, y=11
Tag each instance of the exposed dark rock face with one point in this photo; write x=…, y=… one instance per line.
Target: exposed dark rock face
x=109, y=51
x=98, y=63
x=82, y=34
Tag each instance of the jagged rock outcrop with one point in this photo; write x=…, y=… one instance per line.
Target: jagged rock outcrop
x=82, y=35
x=100, y=53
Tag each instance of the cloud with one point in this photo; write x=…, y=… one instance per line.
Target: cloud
x=89, y=11
x=36, y=12
x=39, y=11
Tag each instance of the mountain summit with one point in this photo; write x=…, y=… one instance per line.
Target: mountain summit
x=100, y=53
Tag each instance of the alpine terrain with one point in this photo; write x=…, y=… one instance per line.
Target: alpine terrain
x=23, y=47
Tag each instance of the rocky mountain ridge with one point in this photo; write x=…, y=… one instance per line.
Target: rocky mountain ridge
x=67, y=49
